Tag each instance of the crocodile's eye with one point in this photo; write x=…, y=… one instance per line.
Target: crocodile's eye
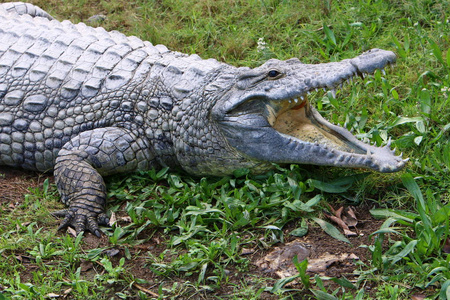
x=273, y=74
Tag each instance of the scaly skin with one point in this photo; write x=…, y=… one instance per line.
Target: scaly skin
x=85, y=103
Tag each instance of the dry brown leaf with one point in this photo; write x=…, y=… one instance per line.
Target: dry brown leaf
x=341, y=224
x=348, y=232
x=126, y=219
x=319, y=265
x=52, y=295
x=349, y=217
x=112, y=219
x=338, y=212
x=112, y=252
x=71, y=231
x=247, y=251
x=86, y=265
x=446, y=247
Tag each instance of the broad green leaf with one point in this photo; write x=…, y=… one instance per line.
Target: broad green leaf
x=92, y=254
x=313, y=201
x=162, y=172
x=394, y=94
x=193, y=210
x=301, y=268
x=328, y=187
x=385, y=230
x=176, y=181
x=331, y=230
x=188, y=266
x=321, y=295
x=279, y=284
x=339, y=185
x=418, y=140
x=425, y=101
x=400, y=49
x=346, y=180
x=421, y=127
x=436, y=51
x=201, y=276
x=302, y=230
x=272, y=227
x=344, y=282
x=389, y=213
x=445, y=290
x=413, y=188
x=408, y=248
x=441, y=215
x=360, y=295
x=330, y=35
x=404, y=120
x=448, y=59
x=241, y=172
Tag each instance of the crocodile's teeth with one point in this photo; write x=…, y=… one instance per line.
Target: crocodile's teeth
x=388, y=144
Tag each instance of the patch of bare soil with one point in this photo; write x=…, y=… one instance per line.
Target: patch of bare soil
x=15, y=183
x=320, y=246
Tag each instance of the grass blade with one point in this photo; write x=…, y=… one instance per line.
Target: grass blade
x=331, y=230
x=413, y=188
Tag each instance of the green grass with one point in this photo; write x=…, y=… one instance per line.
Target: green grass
x=189, y=233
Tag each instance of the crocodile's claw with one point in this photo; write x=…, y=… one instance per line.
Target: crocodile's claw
x=82, y=220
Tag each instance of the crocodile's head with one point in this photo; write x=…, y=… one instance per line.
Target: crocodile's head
x=267, y=117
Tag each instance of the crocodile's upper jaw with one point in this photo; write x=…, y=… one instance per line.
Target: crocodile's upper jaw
x=268, y=128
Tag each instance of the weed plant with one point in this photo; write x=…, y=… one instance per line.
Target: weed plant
x=204, y=225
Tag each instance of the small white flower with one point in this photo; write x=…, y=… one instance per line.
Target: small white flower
x=261, y=45
x=445, y=90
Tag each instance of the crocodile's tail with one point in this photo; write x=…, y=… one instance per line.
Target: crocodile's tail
x=21, y=8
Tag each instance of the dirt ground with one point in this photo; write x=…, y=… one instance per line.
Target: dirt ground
x=15, y=183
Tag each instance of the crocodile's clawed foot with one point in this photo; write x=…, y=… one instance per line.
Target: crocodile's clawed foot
x=82, y=220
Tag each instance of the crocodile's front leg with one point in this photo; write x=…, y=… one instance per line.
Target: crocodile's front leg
x=83, y=161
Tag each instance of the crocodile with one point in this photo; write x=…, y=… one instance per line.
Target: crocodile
x=85, y=103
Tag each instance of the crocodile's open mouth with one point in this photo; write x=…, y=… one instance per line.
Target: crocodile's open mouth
x=297, y=118
x=293, y=131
